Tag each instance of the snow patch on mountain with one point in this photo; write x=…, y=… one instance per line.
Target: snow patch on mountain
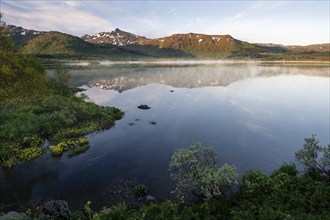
x=116, y=37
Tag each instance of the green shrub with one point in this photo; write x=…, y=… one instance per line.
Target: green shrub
x=315, y=158
x=288, y=168
x=141, y=190
x=256, y=186
x=154, y=211
x=195, y=171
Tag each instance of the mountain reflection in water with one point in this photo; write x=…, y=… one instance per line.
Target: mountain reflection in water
x=124, y=77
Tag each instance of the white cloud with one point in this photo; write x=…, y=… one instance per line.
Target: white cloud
x=272, y=22
x=64, y=16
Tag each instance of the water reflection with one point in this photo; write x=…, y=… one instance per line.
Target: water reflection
x=122, y=78
x=20, y=185
x=255, y=116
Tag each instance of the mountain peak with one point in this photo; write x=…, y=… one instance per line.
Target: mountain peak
x=116, y=37
x=21, y=35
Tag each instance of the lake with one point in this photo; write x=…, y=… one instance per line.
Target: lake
x=255, y=115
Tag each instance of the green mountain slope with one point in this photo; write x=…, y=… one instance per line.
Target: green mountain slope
x=56, y=44
x=203, y=46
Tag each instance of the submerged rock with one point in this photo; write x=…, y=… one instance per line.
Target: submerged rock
x=144, y=107
x=14, y=215
x=150, y=198
x=55, y=209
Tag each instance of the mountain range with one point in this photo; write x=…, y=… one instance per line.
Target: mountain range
x=119, y=44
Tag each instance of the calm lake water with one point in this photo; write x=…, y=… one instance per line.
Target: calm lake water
x=255, y=116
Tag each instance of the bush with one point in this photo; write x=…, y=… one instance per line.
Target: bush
x=195, y=170
x=315, y=158
x=288, y=168
x=141, y=190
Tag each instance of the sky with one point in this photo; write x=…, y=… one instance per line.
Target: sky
x=282, y=22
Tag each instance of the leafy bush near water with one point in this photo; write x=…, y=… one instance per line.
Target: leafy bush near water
x=282, y=195
x=141, y=190
x=196, y=172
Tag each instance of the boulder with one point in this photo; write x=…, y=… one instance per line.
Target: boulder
x=15, y=215
x=55, y=209
x=144, y=107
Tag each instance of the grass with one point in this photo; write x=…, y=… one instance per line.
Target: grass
x=78, y=150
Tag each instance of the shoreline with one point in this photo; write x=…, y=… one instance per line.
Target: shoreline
x=183, y=62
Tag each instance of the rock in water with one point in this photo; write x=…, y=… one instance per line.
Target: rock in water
x=14, y=215
x=55, y=209
x=150, y=198
x=144, y=107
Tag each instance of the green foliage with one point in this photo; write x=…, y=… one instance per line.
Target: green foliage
x=282, y=196
x=76, y=145
x=141, y=190
x=59, y=45
x=120, y=212
x=83, y=145
x=32, y=110
x=20, y=149
x=315, y=158
x=195, y=170
x=60, y=80
x=255, y=186
x=88, y=209
x=288, y=168
x=56, y=118
x=154, y=211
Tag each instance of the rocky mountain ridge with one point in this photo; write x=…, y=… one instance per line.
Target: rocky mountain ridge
x=120, y=44
x=21, y=35
x=116, y=37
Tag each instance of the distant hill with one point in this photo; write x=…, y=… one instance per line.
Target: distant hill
x=311, y=48
x=56, y=44
x=119, y=44
x=297, y=48
x=201, y=45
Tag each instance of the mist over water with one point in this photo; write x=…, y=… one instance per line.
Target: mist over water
x=255, y=116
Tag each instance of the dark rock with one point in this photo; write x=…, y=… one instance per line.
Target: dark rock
x=171, y=90
x=152, y=122
x=15, y=215
x=55, y=209
x=144, y=107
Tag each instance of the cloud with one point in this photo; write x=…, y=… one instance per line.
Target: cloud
x=64, y=16
x=276, y=22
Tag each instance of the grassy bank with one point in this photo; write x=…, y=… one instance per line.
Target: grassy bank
x=62, y=120
x=35, y=109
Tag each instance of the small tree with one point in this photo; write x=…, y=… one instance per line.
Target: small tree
x=315, y=158
x=195, y=170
